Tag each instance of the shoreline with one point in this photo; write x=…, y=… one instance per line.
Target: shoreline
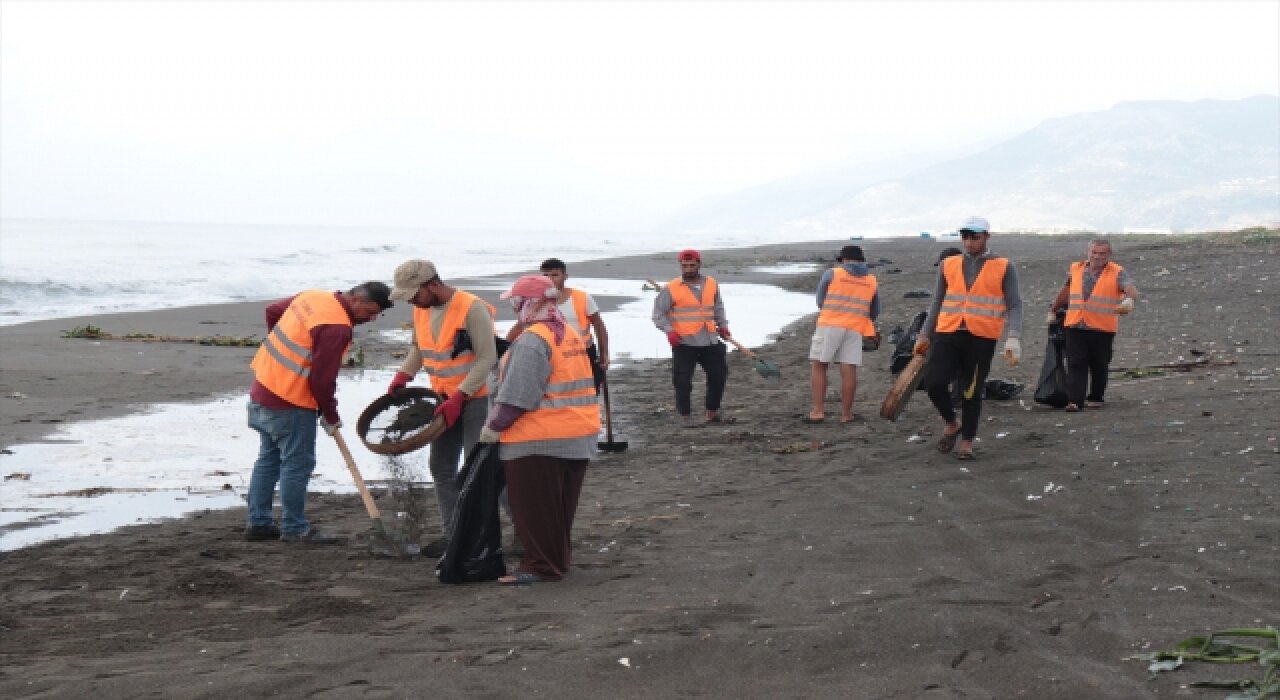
x=795, y=560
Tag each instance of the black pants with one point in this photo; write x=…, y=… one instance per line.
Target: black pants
x=597, y=372
x=684, y=358
x=1088, y=358
x=966, y=358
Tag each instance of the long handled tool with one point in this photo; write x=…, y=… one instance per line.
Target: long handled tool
x=397, y=547
x=900, y=393
x=609, y=445
x=766, y=368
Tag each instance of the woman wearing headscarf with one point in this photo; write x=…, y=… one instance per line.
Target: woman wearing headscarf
x=545, y=420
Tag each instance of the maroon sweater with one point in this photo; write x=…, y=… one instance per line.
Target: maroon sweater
x=330, y=341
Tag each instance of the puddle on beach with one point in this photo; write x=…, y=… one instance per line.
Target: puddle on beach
x=176, y=459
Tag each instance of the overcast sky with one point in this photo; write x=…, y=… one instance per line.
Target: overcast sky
x=575, y=115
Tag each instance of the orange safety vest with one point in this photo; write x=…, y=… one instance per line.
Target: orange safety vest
x=980, y=308
x=1099, y=311
x=447, y=372
x=848, y=302
x=579, y=298
x=688, y=314
x=283, y=361
x=568, y=407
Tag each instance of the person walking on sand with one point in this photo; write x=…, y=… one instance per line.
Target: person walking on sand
x=579, y=308
x=976, y=298
x=1096, y=294
x=295, y=377
x=453, y=341
x=690, y=311
x=849, y=299
x=545, y=422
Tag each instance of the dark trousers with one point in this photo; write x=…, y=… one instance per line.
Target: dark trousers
x=684, y=358
x=597, y=372
x=1088, y=358
x=544, y=495
x=966, y=358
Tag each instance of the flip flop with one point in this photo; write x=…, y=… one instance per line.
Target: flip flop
x=948, y=442
x=855, y=419
x=965, y=455
x=520, y=578
x=722, y=420
x=812, y=421
x=1072, y=408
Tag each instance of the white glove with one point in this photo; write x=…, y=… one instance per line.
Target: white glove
x=1012, y=351
x=330, y=428
x=1125, y=306
x=1051, y=317
x=489, y=435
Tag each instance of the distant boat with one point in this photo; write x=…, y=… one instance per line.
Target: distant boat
x=855, y=238
x=949, y=236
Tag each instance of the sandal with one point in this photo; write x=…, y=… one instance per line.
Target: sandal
x=1072, y=408
x=810, y=420
x=722, y=420
x=520, y=578
x=948, y=442
x=965, y=455
x=855, y=418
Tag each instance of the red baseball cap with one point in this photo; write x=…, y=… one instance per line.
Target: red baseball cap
x=689, y=254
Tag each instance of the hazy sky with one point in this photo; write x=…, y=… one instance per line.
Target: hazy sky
x=576, y=115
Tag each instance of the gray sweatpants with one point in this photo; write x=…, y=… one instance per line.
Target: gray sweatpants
x=457, y=441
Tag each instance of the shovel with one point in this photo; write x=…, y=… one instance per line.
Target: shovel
x=397, y=548
x=766, y=368
x=609, y=445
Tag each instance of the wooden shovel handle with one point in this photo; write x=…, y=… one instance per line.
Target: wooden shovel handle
x=741, y=348
x=369, y=505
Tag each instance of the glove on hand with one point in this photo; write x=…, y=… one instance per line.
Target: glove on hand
x=922, y=346
x=1051, y=317
x=488, y=435
x=724, y=332
x=451, y=408
x=1012, y=351
x=330, y=428
x=1126, y=306
x=398, y=382
x=673, y=338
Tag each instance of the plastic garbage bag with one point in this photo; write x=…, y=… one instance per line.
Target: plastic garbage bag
x=1051, y=388
x=1001, y=389
x=905, y=346
x=475, y=547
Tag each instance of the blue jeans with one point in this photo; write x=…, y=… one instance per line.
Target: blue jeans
x=286, y=454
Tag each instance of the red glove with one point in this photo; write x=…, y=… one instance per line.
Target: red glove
x=673, y=338
x=723, y=331
x=398, y=382
x=451, y=408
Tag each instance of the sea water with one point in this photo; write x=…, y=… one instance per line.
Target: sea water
x=61, y=269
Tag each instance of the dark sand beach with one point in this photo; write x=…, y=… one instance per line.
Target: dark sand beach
x=762, y=558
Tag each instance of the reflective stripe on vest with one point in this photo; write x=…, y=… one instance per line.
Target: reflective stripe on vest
x=568, y=406
x=980, y=308
x=848, y=302
x=688, y=314
x=1100, y=310
x=447, y=372
x=283, y=361
x=579, y=298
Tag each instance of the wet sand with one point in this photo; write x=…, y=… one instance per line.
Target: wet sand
x=761, y=558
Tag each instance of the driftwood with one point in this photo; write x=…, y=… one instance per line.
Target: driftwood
x=95, y=333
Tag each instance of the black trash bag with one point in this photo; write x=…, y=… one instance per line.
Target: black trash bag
x=1051, y=389
x=1001, y=389
x=475, y=547
x=906, y=344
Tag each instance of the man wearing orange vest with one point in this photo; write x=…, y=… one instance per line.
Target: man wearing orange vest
x=459, y=367
x=580, y=310
x=849, y=299
x=545, y=420
x=976, y=298
x=1096, y=294
x=690, y=311
x=295, y=376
